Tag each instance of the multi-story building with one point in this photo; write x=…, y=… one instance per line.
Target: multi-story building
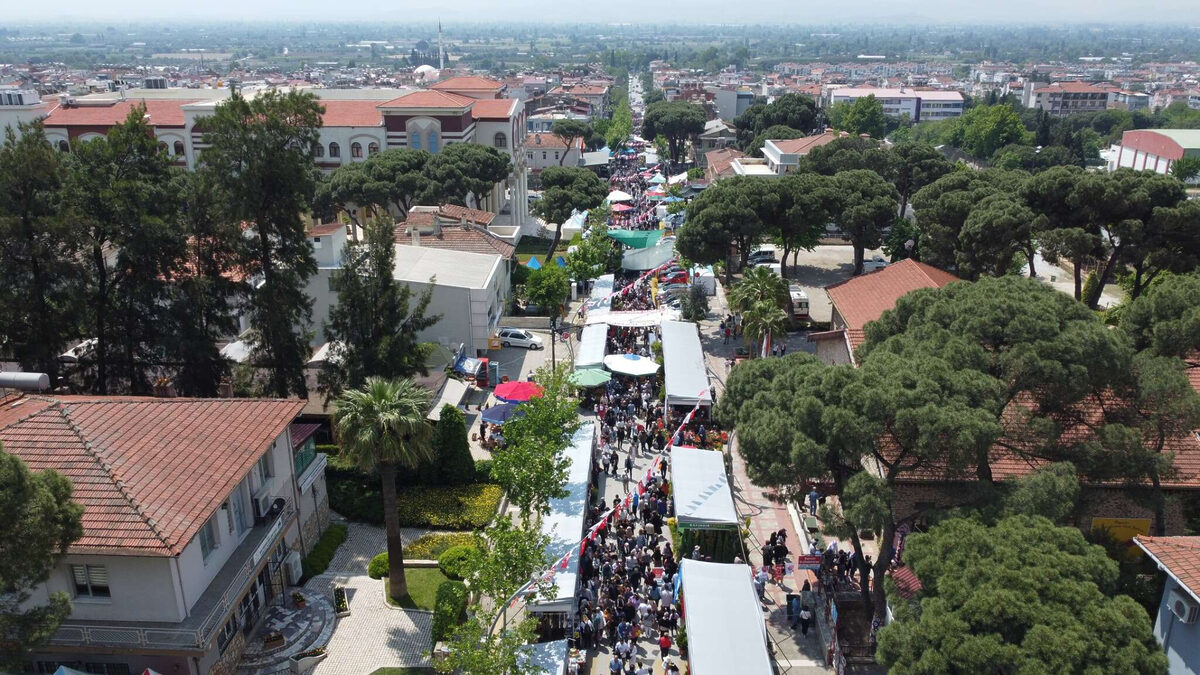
x=1156, y=149
x=543, y=150
x=920, y=105
x=1064, y=98
x=732, y=101
x=196, y=515
x=783, y=156
x=356, y=124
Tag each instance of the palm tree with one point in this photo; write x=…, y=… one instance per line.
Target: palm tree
x=758, y=284
x=381, y=425
x=763, y=319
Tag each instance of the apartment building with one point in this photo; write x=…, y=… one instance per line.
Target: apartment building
x=1064, y=98
x=196, y=515
x=918, y=104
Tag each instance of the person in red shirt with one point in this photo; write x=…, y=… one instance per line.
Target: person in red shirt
x=664, y=646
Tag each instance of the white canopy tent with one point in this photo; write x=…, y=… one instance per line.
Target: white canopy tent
x=643, y=259
x=602, y=287
x=725, y=628
x=635, y=319
x=702, y=494
x=549, y=658
x=564, y=523
x=452, y=394
x=593, y=345
x=618, y=196
x=631, y=364
x=683, y=359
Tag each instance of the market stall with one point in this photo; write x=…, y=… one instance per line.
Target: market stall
x=704, y=511
x=683, y=359
x=640, y=260
x=725, y=628
x=593, y=345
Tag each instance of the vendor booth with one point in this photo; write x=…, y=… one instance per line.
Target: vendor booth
x=593, y=345
x=564, y=526
x=602, y=287
x=643, y=259
x=724, y=619
x=632, y=319
x=683, y=359
x=549, y=658
x=704, y=511
x=636, y=238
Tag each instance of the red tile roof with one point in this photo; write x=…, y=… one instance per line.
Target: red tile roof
x=720, y=161
x=326, y=228
x=302, y=431
x=907, y=583
x=494, y=109
x=162, y=114
x=802, y=146
x=1179, y=556
x=549, y=141
x=148, y=471
x=453, y=235
x=351, y=113
x=864, y=298
x=429, y=99
x=468, y=83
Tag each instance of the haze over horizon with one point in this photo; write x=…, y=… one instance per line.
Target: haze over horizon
x=629, y=11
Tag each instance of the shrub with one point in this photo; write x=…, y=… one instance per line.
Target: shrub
x=483, y=471
x=378, y=568
x=456, y=561
x=458, y=507
x=449, y=608
x=431, y=546
x=331, y=450
x=454, y=463
x=318, y=560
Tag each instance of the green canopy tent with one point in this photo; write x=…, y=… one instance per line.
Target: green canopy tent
x=589, y=377
x=636, y=238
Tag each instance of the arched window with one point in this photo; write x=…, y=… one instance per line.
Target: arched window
x=318, y=151
x=64, y=146
x=334, y=150
x=162, y=145
x=356, y=150
x=372, y=148
x=501, y=140
x=433, y=141
x=179, y=148
x=415, y=142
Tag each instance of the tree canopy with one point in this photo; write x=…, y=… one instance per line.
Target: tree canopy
x=794, y=111
x=467, y=169
x=863, y=115
x=548, y=287
x=1024, y=593
x=566, y=189
x=677, y=121
x=868, y=205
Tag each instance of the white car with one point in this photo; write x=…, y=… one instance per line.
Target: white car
x=519, y=337
x=876, y=263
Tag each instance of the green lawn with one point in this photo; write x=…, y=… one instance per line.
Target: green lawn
x=531, y=246
x=423, y=583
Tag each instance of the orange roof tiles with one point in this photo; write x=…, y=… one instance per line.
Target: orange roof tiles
x=864, y=298
x=719, y=161
x=550, y=141
x=149, y=472
x=802, y=146
x=351, y=113
x=468, y=83
x=429, y=99
x=326, y=228
x=162, y=114
x=499, y=108
x=1178, y=556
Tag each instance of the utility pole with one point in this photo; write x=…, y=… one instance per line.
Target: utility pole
x=553, y=338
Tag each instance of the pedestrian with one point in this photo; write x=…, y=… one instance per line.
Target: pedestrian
x=760, y=582
x=664, y=646
x=726, y=334
x=629, y=465
x=806, y=616
x=813, y=496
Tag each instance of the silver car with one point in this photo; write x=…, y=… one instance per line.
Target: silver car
x=519, y=337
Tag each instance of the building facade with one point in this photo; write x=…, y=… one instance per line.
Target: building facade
x=1156, y=149
x=918, y=104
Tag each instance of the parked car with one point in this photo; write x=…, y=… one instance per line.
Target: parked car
x=519, y=337
x=875, y=263
x=799, y=302
x=673, y=278
x=673, y=288
x=761, y=256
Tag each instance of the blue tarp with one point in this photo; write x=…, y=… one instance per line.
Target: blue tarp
x=560, y=261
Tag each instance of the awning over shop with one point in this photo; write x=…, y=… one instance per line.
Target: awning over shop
x=564, y=523
x=683, y=359
x=725, y=628
x=603, y=286
x=644, y=259
x=593, y=345
x=701, y=488
x=636, y=238
x=452, y=393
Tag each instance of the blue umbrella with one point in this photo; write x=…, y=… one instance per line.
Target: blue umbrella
x=673, y=199
x=500, y=414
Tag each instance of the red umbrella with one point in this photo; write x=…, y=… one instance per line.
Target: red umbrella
x=618, y=208
x=517, y=391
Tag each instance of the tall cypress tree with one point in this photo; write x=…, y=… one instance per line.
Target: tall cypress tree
x=260, y=154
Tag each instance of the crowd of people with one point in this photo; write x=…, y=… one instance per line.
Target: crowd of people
x=633, y=299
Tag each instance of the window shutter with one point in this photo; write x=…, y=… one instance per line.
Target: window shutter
x=98, y=575
x=79, y=572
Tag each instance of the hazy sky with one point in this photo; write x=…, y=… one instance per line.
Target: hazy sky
x=1176, y=12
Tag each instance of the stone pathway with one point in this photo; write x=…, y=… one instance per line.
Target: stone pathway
x=302, y=628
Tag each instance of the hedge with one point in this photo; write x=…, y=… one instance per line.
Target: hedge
x=378, y=567
x=458, y=507
x=318, y=560
x=456, y=561
x=431, y=546
x=449, y=608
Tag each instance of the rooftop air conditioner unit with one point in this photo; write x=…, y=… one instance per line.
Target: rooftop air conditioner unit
x=262, y=506
x=1183, y=607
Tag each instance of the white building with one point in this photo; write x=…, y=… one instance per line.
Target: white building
x=920, y=105
x=544, y=150
x=783, y=156
x=196, y=515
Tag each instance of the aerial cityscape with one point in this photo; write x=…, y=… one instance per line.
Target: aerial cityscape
x=600, y=339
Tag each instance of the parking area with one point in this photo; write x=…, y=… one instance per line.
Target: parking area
x=821, y=267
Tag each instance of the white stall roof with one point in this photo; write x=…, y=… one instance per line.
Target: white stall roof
x=642, y=259
x=548, y=658
x=564, y=523
x=593, y=345
x=683, y=359
x=452, y=393
x=725, y=628
x=639, y=319
x=702, y=494
x=603, y=286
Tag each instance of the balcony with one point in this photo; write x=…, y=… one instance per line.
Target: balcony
x=207, y=614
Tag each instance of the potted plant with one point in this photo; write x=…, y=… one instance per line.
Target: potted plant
x=340, y=606
x=298, y=600
x=273, y=640
x=302, y=662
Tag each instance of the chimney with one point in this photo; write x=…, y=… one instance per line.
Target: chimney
x=416, y=234
x=462, y=222
x=437, y=225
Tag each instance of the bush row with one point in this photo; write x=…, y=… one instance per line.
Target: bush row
x=318, y=560
x=431, y=546
x=457, y=507
x=449, y=608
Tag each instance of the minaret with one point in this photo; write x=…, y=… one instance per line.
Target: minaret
x=441, y=52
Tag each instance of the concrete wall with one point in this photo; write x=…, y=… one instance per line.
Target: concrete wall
x=1180, y=640
x=832, y=352
x=142, y=589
